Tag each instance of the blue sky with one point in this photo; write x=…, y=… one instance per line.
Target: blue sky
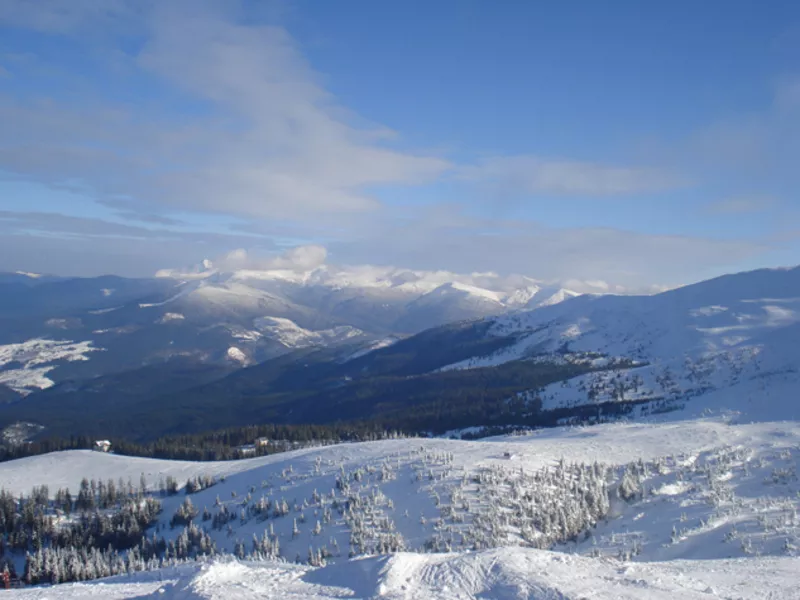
x=641, y=144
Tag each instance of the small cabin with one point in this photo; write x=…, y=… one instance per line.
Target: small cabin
x=247, y=450
x=102, y=446
x=262, y=442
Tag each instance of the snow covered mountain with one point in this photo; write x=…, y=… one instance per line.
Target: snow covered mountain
x=693, y=509
x=671, y=507
x=234, y=317
x=387, y=299
x=729, y=343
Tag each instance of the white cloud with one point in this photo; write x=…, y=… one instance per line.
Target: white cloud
x=261, y=137
x=447, y=241
x=300, y=259
x=533, y=174
x=627, y=259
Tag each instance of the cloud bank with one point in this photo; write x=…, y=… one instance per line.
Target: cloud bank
x=200, y=112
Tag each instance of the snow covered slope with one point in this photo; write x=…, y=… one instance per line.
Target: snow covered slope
x=388, y=298
x=24, y=366
x=731, y=343
x=694, y=509
x=291, y=335
x=505, y=574
x=617, y=443
x=706, y=479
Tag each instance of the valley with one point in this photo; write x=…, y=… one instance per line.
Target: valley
x=710, y=348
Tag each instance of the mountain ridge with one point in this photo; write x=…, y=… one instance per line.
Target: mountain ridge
x=213, y=314
x=713, y=346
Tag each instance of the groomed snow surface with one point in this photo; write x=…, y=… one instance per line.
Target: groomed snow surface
x=501, y=574
x=714, y=514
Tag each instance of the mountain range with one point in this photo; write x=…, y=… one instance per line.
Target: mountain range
x=75, y=329
x=188, y=351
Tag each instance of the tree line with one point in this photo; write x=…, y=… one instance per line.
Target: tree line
x=226, y=444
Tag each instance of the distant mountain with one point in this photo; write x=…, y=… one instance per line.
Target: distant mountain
x=728, y=344
x=75, y=329
x=282, y=353
x=731, y=345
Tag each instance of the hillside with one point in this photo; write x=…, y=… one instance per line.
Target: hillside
x=694, y=508
x=730, y=343
x=378, y=387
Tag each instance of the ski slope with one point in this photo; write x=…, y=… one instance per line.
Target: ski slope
x=503, y=574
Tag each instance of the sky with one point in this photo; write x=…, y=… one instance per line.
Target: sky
x=638, y=144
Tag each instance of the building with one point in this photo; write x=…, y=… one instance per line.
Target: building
x=102, y=446
x=262, y=442
x=247, y=450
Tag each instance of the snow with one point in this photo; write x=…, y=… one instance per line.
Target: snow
x=20, y=432
x=716, y=514
x=237, y=355
x=101, y=311
x=713, y=502
x=457, y=434
x=170, y=316
x=291, y=335
x=245, y=335
x=477, y=291
x=447, y=292
x=25, y=365
x=377, y=345
x=557, y=297
x=520, y=297
x=719, y=344
x=58, y=323
x=187, y=289
x=503, y=574
x=509, y=292
x=615, y=443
